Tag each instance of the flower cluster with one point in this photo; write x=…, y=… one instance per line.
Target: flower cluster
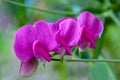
x=34, y=42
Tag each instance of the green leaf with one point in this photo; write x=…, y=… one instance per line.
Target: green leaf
x=85, y=55
x=101, y=71
x=97, y=51
x=112, y=40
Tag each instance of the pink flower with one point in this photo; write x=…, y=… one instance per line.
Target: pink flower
x=67, y=35
x=54, y=27
x=91, y=30
x=33, y=43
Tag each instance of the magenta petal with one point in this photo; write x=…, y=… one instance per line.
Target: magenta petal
x=40, y=52
x=90, y=39
x=45, y=36
x=53, y=28
x=61, y=19
x=61, y=51
x=24, y=39
x=28, y=68
x=94, y=24
x=62, y=43
x=85, y=40
x=83, y=44
x=70, y=31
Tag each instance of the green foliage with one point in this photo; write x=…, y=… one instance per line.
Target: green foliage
x=112, y=45
x=62, y=69
x=85, y=55
x=101, y=71
x=112, y=40
x=19, y=13
x=99, y=45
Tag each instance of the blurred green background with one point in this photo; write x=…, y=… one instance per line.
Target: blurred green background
x=14, y=16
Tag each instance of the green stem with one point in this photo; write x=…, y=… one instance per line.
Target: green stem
x=114, y=18
x=75, y=50
x=73, y=54
x=89, y=60
x=111, y=13
x=40, y=9
x=62, y=59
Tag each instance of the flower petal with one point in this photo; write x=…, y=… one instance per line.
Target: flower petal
x=24, y=39
x=90, y=39
x=45, y=36
x=83, y=44
x=40, y=52
x=62, y=43
x=55, y=26
x=85, y=40
x=61, y=19
x=70, y=31
x=94, y=24
x=28, y=68
x=61, y=51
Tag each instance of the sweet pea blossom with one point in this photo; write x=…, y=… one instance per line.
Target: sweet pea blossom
x=91, y=30
x=33, y=43
x=54, y=26
x=67, y=35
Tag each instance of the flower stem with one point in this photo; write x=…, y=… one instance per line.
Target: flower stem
x=111, y=13
x=73, y=54
x=90, y=60
x=40, y=9
x=114, y=18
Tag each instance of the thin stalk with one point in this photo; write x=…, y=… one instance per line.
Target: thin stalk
x=73, y=54
x=39, y=9
x=114, y=18
x=111, y=13
x=89, y=60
